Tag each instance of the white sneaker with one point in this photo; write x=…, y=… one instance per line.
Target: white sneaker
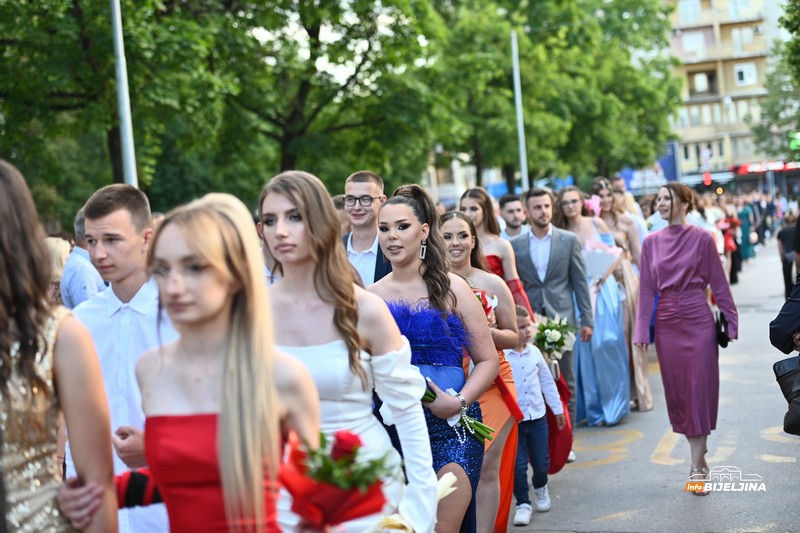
x=571, y=457
x=542, y=497
x=523, y=515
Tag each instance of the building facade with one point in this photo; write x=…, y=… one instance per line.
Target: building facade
x=723, y=47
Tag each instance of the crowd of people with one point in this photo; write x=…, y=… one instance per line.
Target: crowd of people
x=185, y=353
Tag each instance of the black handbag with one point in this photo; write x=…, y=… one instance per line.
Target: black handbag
x=722, y=329
x=787, y=374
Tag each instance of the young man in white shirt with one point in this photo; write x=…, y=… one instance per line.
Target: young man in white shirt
x=551, y=268
x=363, y=198
x=535, y=386
x=513, y=212
x=124, y=323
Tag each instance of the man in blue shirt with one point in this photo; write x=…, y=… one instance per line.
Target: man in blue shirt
x=80, y=280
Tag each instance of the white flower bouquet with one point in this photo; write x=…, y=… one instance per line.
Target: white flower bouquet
x=553, y=336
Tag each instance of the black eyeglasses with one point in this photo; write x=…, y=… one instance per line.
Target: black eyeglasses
x=365, y=201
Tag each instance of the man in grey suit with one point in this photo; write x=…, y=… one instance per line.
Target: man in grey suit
x=550, y=266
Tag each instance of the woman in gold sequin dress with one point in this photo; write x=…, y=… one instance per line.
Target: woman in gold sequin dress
x=47, y=363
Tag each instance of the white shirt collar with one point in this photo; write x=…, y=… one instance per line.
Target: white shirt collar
x=141, y=302
x=372, y=249
x=547, y=236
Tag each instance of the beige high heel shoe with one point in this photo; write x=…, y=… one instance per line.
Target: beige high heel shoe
x=697, y=475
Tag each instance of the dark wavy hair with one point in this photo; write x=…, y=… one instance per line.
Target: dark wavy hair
x=435, y=267
x=485, y=201
x=559, y=220
x=333, y=274
x=24, y=278
x=476, y=257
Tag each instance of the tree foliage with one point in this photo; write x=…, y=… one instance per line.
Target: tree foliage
x=780, y=110
x=226, y=94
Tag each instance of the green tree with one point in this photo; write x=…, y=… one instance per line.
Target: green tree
x=791, y=21
x=336, y=85
x=775, y=132
x=59, y=89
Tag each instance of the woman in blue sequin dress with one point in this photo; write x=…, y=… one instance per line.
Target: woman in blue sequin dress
x=442, y=319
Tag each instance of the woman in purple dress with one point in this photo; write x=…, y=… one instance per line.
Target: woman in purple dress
x=678, y=264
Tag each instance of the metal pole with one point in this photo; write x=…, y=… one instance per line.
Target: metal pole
x=123, y=100
x=523, y=153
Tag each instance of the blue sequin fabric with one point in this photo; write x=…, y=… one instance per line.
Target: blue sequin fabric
x=437, y=343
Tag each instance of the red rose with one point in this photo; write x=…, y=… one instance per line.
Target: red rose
x=345, y=444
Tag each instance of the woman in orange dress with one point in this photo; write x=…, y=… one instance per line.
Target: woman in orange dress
x=498, y=403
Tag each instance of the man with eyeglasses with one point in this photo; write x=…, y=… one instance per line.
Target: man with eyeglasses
x=363, y=197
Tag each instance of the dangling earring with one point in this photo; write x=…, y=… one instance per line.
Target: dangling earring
x=423, y=249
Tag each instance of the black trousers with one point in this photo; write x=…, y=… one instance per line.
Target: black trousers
x=788, y=278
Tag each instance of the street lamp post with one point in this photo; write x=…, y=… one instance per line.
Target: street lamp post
x=523, y=154
x=123, y=99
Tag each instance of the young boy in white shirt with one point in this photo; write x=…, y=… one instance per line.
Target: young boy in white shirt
x=533, y=380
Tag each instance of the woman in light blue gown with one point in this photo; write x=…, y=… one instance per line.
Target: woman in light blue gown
x=602, y=376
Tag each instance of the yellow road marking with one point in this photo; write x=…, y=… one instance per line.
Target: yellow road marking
x=662, y=453
x=616, y=449
x=776, y=434
x=721, y=454
x=777, y=458
x=615, y=516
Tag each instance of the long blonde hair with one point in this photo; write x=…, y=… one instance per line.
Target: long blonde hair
x=334, y=277
x=222, y=232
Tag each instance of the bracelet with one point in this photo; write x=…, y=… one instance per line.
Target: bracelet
x=463, y=401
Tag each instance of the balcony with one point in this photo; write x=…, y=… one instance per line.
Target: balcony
x=722, y=52
x=713, y=17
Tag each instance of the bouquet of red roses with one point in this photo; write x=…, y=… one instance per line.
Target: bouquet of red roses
x=327, y=484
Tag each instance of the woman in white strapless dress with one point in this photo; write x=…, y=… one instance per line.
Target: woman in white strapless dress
x=350, y=343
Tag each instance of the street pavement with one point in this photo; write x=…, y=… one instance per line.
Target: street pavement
x=631, y=477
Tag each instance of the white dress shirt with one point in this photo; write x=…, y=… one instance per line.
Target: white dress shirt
x=363, y=262
x=540, y=252
x=80, y=280
x=122, y=332
x=533, y=379
x=523, y=231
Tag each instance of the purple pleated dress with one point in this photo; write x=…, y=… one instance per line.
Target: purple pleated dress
x=678, y=262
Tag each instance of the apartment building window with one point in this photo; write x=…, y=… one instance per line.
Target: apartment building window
x=755, y=111
x=745, y=73
x=747, y=147
x=683, y=118
x=700, y=82
x=738, y=8
x=689, y=11
x=721, y=148
x=741, y=37
x=686, y=155
x=694, y=115
x=705, y=113
x=717, y=114
x=743, y=110
x=694, y=42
